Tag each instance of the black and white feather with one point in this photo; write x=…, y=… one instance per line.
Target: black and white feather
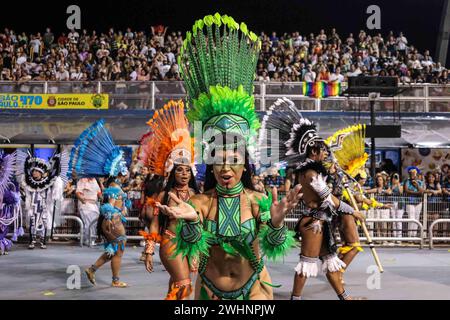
x=285, y=134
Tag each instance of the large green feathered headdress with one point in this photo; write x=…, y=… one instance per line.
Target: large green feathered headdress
x=218, y=62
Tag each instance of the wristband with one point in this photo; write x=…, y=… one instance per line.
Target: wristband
x=345, y=208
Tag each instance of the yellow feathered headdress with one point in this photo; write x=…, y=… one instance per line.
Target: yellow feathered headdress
x=170, y=143
x=348, y=148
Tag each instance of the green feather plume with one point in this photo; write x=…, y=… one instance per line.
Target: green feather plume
x=218, y=51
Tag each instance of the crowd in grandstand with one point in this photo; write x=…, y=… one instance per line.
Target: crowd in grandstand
x=143, y=56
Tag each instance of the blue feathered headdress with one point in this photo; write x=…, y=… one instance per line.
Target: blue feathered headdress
x=94, y=154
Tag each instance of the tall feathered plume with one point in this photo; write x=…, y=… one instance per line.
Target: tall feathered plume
x=348, y=147
x=218, y=63
x=94, y=154
x=170, y=143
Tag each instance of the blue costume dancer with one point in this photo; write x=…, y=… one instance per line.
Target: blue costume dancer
x=95, y=155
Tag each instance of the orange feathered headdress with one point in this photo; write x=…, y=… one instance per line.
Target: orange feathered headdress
x=170, y=142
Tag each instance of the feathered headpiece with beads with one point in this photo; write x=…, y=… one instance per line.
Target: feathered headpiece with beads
x=217, y=63
x=56, y=167
x=170, y=143
x=348, y=148
x=94, y=154
x=286, y=133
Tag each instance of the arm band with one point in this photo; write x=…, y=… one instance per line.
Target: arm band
x=191, y=232
x=345, y=208
x=320, y=186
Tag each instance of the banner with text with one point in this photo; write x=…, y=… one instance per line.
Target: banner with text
x=54, y=101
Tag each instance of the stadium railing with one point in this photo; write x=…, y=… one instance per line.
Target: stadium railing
x=150, y=95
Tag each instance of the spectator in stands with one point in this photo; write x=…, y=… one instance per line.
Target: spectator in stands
x=257, y=183
x=62, y=74
x=414, y=187
x=49, y=38
x=283, y=57
x=310, y=75
x=397, y=210
x=88, y=193
x=434, y=191
x=381, y=189
x=446, y=181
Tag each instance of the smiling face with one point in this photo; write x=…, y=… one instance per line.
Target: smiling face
x=228, y=168
x=182, y=175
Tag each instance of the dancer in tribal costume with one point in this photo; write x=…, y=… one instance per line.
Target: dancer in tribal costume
x=10, y=208
x=43, y=182
x=230, y=227
x=301, y=145
x=94, y=155
x=169, y=154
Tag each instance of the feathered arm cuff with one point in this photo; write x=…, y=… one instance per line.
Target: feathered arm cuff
x=151, y=239
x=264, y=207
x=191, y=239
x=276, y=242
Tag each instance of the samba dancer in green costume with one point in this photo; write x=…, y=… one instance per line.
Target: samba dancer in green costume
x=228, y=225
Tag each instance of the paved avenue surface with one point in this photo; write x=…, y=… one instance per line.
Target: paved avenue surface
x=410, y=273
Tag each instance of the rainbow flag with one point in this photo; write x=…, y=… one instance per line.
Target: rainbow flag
x=321, y=89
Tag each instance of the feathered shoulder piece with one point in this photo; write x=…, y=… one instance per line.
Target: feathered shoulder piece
x=170, y=143
x=94, y=154
x=7, y=163
x=285, y=131
x=348, y=148
x=50, y=170
x=217, y=63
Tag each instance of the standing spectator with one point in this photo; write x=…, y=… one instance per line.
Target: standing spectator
x=414, y=187
x=88, y=193
x=397, y=210
x=49, y=38
x=381, y=188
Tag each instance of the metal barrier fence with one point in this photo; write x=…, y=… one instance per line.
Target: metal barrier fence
x=79, y=235
x=431, y=237
x=152, y=95
x=411, y=219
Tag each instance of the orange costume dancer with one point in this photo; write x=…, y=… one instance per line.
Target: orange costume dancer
x=169, y=154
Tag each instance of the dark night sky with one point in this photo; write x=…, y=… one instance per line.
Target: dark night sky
x=418, y=19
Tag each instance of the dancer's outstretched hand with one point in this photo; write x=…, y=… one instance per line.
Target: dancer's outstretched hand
x=181, y=211
x=280, y=209
x=149, y=263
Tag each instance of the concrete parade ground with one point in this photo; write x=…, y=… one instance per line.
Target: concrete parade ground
x=410, y=273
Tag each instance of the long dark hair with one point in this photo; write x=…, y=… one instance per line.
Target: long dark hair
x=171, y=183
x=153, y=185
